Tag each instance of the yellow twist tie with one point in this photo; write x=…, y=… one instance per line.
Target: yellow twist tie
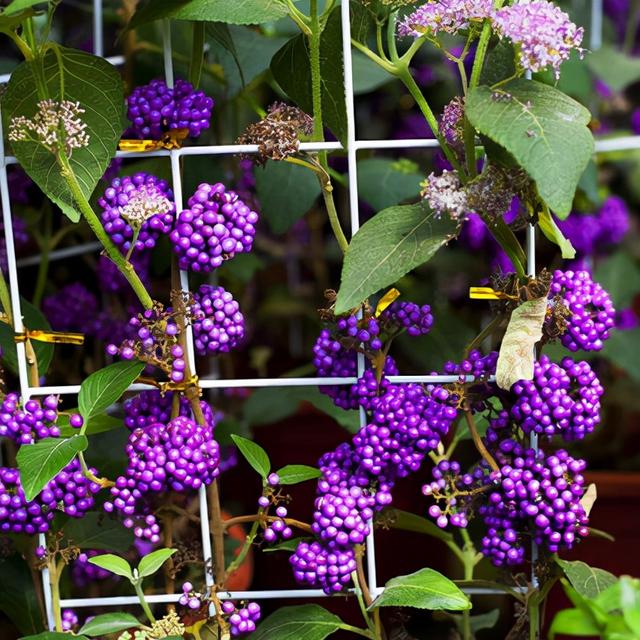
x=386, y=300
x=55, y=337
x=171, y=140
x=178, y=386
x=487, y=293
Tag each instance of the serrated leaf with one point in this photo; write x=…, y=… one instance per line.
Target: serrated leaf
x=97, y=531
x=41, y=461
x=587, y=581
x=113, y=563
x=153, y=561
x=236, y=12
x=297, y=473
x=18, y=598
x=383, y=182
x=388, y=246
x=516, y=358
x=98, y=424
x=109, y=623
x=553, y=233
x=97, y=86
x=254, y=454
x=543, y=129
x=33, y=318
x=286, y=192
x=407, y=521
x=616, y=68
x=302, y=622
x=291, y=69
x=103, y=387
x=424, y=589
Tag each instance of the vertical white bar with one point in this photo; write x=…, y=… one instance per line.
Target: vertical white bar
x=16, y=311
x=176, y=178
x=595, y=35
x=355, y=225
x=98, y=34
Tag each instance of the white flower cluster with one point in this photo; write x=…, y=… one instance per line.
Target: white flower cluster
x=445, y=194
x=56, y=125
x=144, y=203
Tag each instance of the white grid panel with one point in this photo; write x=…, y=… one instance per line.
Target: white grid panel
x=353, y=146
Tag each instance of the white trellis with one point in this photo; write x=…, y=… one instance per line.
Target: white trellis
x=353, y=146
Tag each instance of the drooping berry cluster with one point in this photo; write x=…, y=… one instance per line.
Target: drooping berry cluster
x=561, y=399
x=415, y=319
x=592, y=312
x=30, y=421
x=315, y=564
x=179, y=456
x=536, y=498
x=241, y=620
x=137, y=209
x=216, y=226
x=155, y=109
x=218, y=323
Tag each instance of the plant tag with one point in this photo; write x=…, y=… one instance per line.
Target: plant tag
x=588, y=499
x=386, y=300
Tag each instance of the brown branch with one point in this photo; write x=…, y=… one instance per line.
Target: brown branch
x=362, y=580
x=256, y=517
x=477, y=440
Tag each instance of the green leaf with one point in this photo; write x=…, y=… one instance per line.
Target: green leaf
x=33, y=319
x=619, y=274
x=388, y=246
x=20, y=5
x=102, y=388
x=153, y=561
x=587, y=581
x=616, y=68
x=109, y=623
x=286, y=192
x=53, y=635
x=255, y=455
x=41, y=461
x=301, y=622
x=516, y=357
x=286, y=545
x=99, y=424
x=543, y=129
x=113, y=563
x=573, y=622
x=97, y=86
x=630, y=602
x=297, y=473
x=236, y=12
x=367, y=75
x=97, y=531
x=407, y=521
x=552, y=232
x=383, y=182
x=291, y=69
x=18, y=600
x=424, y=589
x=500, y=64
x=622, y=348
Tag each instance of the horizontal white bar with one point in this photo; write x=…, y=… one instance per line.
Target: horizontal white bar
x=623, y=143
x=421, y=143
x=261, y=382
x=60, y=254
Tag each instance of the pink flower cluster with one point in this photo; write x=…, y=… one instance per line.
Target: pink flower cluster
x=542, y=33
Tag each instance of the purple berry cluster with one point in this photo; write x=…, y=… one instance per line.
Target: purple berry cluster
x=592, y=312
x=155, y=109
x=416, y=320
x=561, y=399
x=216, y=226
x=180, y=455
x=315, y=564
x=83, y=573
x=137, y=209
x=152, y=407
x=475, y=364
x=354, y=331
x=278, y=528
x=189, y=597
x=69, y=620
x=218, y=323
x=70, y=492
x=241, y=620
x=452, y=488
x=72, y=308
x=534, y=497
x=30, y=421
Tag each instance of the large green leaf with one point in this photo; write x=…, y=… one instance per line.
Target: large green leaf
x=97, y=86
x=33, y=319
x=53, y=635
x=97, y=531
x=296, y=473
x=18, y=600
x=587, y=581
x=619, y=274
x=616, y=68
x=573, y=622
x=424, y=589
x=367, y=75
x=41, y=461
x=109, y=623
x=254, y=454
x=103, y=387
x=286, y=192
x=383, y=182
x=543, y=129
x=388, y=246
x=113, y=563
x=153, y=561
x=291, y=69
x=302, y=622
x=236, y=12
x=18, y=6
